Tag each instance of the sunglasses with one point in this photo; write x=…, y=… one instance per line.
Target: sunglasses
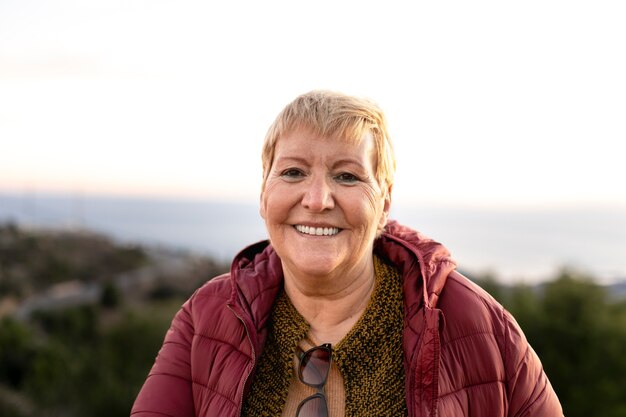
x=313, y=371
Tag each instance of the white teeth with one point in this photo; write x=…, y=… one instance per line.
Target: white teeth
x=317, y=231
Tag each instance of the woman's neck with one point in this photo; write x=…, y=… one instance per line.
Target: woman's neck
x=331, y=305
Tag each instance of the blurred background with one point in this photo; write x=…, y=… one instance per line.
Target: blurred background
x=130, y=137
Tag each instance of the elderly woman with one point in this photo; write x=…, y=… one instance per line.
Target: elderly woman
x=342, y=312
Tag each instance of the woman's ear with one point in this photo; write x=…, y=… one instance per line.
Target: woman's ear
x=388, y=199
x=262, y=204
x=386, y=208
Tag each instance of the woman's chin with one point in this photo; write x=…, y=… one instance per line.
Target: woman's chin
x=314, y=266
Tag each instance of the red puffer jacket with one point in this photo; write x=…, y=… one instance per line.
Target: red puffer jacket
x=464, y=354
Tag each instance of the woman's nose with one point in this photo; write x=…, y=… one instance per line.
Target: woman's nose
x=318, y=195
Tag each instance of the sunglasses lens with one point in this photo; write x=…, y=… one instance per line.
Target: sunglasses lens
x=314, y=366
x=314, y=406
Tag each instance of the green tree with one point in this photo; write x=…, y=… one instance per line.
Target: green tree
x=111, y=296
x=17, y=351
x=580, y=336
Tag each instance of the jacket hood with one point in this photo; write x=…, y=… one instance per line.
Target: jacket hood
x=414, y=253
x=257, y=278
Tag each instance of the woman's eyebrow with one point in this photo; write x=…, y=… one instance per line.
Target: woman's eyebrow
x=348, y=161
x=296, y=159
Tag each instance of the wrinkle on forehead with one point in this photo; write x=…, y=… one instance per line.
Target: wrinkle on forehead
x=349, y=158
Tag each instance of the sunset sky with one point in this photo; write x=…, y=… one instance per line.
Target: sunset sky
x=490, y=103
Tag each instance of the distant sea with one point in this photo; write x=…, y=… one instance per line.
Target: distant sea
x=529, y=245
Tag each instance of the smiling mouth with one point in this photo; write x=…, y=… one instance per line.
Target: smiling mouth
x=317, y=231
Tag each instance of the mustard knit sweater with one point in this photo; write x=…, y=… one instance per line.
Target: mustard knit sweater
x=369, y=358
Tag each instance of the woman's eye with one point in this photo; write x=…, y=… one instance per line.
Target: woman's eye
x=346, y=177
x=292, y=173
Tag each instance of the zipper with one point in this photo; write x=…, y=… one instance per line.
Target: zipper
x=250, y=368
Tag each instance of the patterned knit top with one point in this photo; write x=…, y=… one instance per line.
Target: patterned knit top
x=369, y=357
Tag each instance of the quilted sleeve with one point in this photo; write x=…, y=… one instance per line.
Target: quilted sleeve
x=168, y=388
x=529, y=391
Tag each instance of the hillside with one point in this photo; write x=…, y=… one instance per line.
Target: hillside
x=45, y=269
x=82, y=318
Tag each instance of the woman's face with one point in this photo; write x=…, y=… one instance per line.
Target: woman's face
x=322, y=204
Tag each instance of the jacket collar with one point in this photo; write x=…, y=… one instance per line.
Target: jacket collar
x=416, y=256
x=257, y=278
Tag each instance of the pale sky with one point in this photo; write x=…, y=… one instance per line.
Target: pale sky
x=490, y=102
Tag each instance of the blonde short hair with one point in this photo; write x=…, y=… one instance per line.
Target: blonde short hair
x=332, y=114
